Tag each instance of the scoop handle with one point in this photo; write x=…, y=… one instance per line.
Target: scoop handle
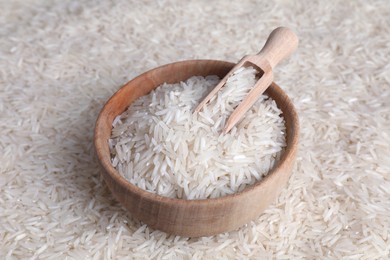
x=279, y=45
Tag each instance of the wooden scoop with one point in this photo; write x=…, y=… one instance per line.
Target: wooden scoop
x=280, y=44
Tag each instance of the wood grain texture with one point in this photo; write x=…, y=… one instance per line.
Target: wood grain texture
x=192, y=217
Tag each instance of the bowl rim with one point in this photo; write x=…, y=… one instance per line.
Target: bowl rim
x=289, y=151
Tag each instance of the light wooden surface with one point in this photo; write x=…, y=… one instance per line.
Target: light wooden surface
x=279, y=45
x=192, y=217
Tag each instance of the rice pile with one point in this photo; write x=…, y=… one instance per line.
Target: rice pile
x=159, y=145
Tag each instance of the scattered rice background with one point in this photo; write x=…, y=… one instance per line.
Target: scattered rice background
x=60, y=60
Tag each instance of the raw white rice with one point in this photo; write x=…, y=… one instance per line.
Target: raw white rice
x=61, y=60
x=159, y=145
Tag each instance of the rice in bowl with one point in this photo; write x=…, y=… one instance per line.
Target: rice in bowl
x=159, y=145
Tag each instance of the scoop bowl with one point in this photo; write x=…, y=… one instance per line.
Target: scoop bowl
x=192, y=218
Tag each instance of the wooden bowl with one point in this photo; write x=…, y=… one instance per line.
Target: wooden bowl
x=192, y=218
